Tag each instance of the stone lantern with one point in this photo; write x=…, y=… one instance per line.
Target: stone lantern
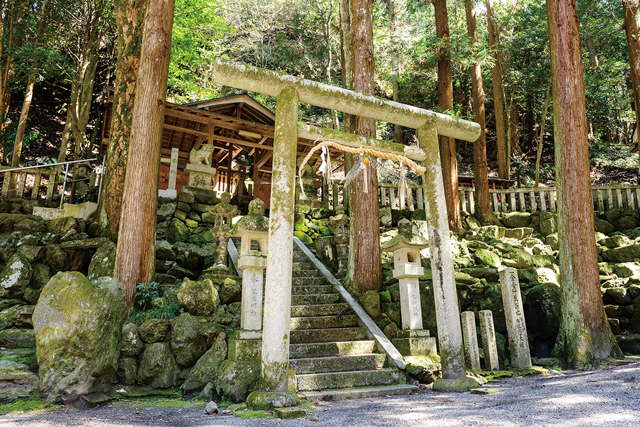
x=253, y=229
x=340, y=223
x=413, y=339
x=223, y=214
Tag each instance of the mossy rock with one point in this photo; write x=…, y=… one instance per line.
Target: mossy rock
x=127, y=373
x=487, y=258
x=186, y=342
x=205, y=368
x=303, y=237
x=62, y=225
x=178, y=231
x=103, y=262
x=15, y=277
x=154, y=330
x=370, y=301
x=17, y=338
x=131, y=344
x=603, y=226
x=78, y=325
x=157, y=366
x=198, y=298
x=264, y=401
x=517, y=219
x=234, y=380
x=542, y=315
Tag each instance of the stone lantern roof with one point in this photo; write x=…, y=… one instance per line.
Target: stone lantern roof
x=405, y=238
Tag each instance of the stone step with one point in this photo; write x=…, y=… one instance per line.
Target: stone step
x=307, y=336
x=358, y=393
x=320, y=310
x=315, y=299
x=307, y=273
x=338, y=364
x=323, y=322
x=299, y=281
x=311, y=289
x=300, y=256
x=331, y=380
x=329, y=349
x=303, y=265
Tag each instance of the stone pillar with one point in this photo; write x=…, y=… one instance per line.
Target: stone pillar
x=471, y=351
x=173, y=169
x=277, y=305
x=444, y=285
x=514, y=315
x=489, y=346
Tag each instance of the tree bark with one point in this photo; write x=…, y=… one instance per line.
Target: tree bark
x=484, y=213
x=129, y=21
x=512, y=133
x=28, y=97
x=445, y=101
x=543, y=123
x=365, y=269
x=632, y=30
x=346, y=55
x=584, y=330
x=398, y=131
x=135, y=258
x=498, y=95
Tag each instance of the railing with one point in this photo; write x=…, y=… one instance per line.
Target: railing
x=32, y=178
x=543, y=199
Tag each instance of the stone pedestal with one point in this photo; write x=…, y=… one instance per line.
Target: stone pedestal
x=415, y=342
x=245, y=346
x=252, y=266
x=471, y=352
x=514, y=315
x=200, y=176
x=489, y=346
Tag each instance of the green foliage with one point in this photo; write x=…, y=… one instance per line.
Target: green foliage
x=147, y=293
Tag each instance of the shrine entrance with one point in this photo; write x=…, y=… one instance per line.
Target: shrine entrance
x=290, y=91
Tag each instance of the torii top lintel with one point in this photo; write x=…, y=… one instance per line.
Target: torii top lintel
x=247, y=77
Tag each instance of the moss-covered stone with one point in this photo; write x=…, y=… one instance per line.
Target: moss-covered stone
x=186, y=342
x=304, y=238
x=603, y=226
x=131, y=344
x=264, y=401
x=30, y=226
x=622, y=254
x=157, y=366
x=78, y=325
x=17, y=338
x=56, y=257
x=487, y=258
x=62, y=225
x=235, y=380
x=198, y=298
x=164, y=251
x=178, y=231
x=205, y=369
x=103, y=262
x=230, y=292
x=542, y=314
x=517, y=219
x=22, y=317
x=154, y=330
x=15, y=276
x=127, y=371
x=370, y=301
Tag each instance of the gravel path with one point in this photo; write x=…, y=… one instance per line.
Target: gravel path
x=607, y=397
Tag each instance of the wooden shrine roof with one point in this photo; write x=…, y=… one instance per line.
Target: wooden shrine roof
x=234, y=123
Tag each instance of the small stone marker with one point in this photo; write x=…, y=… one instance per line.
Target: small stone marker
x=471, y=352
x=514, y=315
x=488, y=334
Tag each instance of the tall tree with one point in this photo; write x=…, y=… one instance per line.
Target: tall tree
x=365, y=269
x=445, y=101
x=632, y=30
x=498, y=93
x=28, y=96
x=135, y=257
x=129, y=21
x=398, y=130
x=484, y=213
x=584, y=330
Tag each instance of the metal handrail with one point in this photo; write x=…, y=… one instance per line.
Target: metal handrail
x=66, y=172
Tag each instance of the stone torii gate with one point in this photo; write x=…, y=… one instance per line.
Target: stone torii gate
x=291, y=90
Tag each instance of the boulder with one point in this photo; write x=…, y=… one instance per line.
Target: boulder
x=15, y=276
x=131, y=344
x=6, y=316
x=17, y=338
x=205, y=369
x=186, y=342
x=61, y=226
x=542, y=316
x=619, y=296
x=517, y=219
x=627, y=269
x=22, y=317
x=157, y=366
x=56, y=257
x=154, y=330
x=235, y=380
x=603, y=226
x=548, y=223
x=166, y=211
x=199, y=298
x=552, y=240
x=127, y=371
x=491, y=299
x=30, y=226
x=164, y=251
x=185, y=197
x=370, y=301
x=622, y=254
x=78, y=324
x=230, y=292
x=487, y=258
x=626, y=222
x=614, y=241
x=103, y=262
x=178, y=231
x=611, y=215
x=32, y=253
x=385, y=216
x=200, y=195
x=41, y=274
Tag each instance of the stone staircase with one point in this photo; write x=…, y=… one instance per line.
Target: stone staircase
x=329, y=350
